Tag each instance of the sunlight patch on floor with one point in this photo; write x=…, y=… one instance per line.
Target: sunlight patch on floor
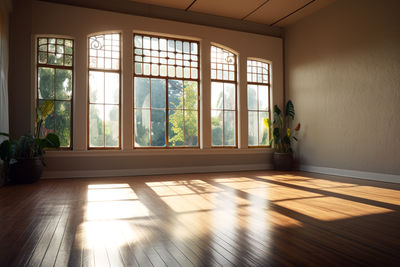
x=370, y=192
x=99, y=234
x=331, y=208
x=109, y=211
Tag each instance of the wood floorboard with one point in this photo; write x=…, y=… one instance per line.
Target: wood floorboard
x=254, y=218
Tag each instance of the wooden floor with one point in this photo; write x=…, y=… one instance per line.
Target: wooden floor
x=258, y=218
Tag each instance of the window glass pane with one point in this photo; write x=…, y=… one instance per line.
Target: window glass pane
x=163, y=70
x=68, y=60
x=42, y=57
x=96, y=126
x=154, y=43
x=146, y=42
x=158, y=93
x=193, y=48
x=158, y=127
x=191, y=128
x=43, y=48
x=96, y=86
x=216, y=127
x=175, y=88
x=263, y=129
x=46, y=83
x=229, y=96
x=111, y=125
x=263, y=97
x=111, y=88
x=253, y=128
x=175, y=128
x=138, y=68
x=163, y=44
x=190, y=95
x=179, y=46
x=142, y=92
x=142, y=127
x=63, y=122
x=217, y=97
x=42, y=41
x=252, y=97
x=229, y=128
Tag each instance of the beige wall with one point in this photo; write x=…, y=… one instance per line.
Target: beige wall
x=343, y=73
x=78, y=23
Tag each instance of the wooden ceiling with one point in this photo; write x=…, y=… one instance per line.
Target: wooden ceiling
x=279, y=13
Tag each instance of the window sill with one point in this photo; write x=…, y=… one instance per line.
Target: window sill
x=151, y=152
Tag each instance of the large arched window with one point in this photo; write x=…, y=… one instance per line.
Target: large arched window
x=104, y=90
x=258, y=98
x=166, y=92
x=55, y=60
x=223, y=97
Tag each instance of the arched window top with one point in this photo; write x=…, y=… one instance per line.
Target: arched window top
x=104, y=51
x=258, y=71
x=223, y=64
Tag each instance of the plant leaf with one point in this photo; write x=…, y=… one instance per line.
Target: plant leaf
x=46, y=108
x=289, y=111
x=277, y=110
x=267, y=122
x=5, y=150
x=52, y=140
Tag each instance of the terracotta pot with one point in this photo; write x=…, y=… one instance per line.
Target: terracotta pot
x=283, y=161
x=26, y=171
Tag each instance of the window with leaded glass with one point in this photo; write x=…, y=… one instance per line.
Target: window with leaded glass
x=223, y=97
x=104, y=90
x=55, y=83
x=166, y=92
x=258, y=98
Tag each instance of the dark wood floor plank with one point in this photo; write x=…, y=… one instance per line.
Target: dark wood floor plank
x=255, y=218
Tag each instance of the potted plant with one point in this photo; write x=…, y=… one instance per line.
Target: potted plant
x=282, y=137
x=23, y=157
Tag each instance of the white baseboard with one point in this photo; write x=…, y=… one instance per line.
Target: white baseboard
x=153, y=171
x=382, y=177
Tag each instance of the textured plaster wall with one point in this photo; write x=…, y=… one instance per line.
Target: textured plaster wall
x=343, y=74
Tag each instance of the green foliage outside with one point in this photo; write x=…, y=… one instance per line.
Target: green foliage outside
x=150, y=112
x=183, y=123
x=223, y=122
x=56, y=85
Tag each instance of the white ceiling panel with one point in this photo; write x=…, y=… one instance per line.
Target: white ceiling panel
x=180, y=4
x=228, y=8
x=274, y=10
x=280, y=13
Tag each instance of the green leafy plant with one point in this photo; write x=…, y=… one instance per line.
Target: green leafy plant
x=30, y=146
x=282, y=135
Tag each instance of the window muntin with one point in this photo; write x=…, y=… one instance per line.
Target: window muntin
x=104, y=90
x=166, y=92
x=55, y=83
x=223, y=98
x=258, y=98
